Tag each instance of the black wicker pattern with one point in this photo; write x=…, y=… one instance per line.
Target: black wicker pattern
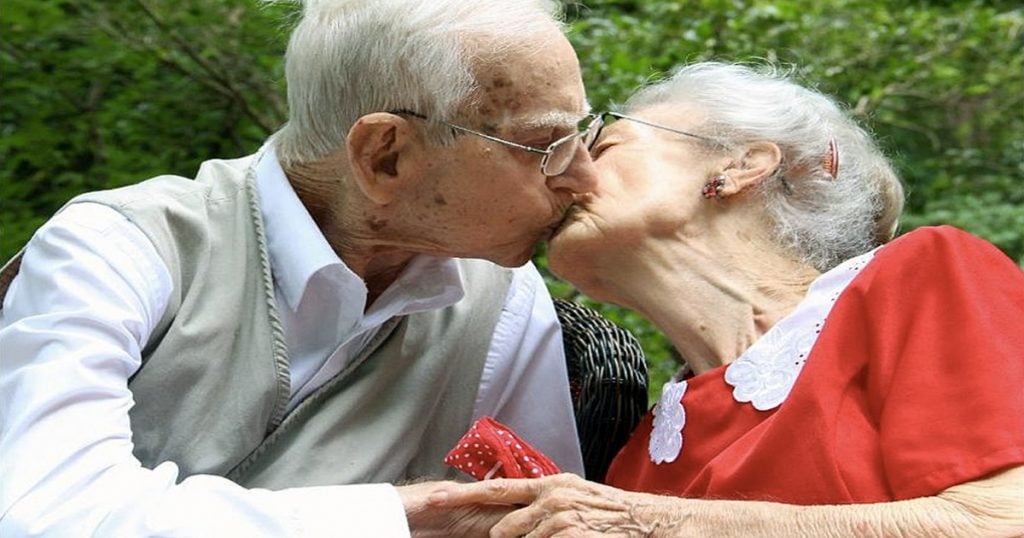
x=608, y=381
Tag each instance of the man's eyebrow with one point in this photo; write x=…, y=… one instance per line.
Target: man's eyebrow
x=558, y=118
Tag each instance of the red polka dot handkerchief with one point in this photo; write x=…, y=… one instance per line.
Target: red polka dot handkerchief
x=490, y=450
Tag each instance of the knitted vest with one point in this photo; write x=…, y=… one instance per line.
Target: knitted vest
x=211, y=393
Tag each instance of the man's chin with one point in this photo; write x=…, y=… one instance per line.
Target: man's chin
x=513, y=259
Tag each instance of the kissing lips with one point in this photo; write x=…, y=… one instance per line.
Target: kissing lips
x=567, y=219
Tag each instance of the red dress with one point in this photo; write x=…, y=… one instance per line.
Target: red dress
x=914, y=383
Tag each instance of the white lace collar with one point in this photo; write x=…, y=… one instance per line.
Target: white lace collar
x=765, y=373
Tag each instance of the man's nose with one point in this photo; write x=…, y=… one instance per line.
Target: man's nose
x=579, y=177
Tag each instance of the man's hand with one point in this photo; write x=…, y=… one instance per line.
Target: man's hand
x=428, y=520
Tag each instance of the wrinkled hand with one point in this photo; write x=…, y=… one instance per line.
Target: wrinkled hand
x=429, y=520
x=567, y=505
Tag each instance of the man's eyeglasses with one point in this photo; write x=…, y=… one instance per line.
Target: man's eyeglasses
x=557, y=156
x=601, y=122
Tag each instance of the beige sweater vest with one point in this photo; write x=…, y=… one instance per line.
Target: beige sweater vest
x=212, y=390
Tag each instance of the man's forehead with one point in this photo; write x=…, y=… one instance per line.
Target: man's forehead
x=528, y=92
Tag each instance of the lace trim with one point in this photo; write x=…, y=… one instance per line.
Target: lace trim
x=765, y=374
x=669, y=418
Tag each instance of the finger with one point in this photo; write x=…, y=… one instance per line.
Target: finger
x=463, y=521
x=561, y=524
x=519, y=523
x=476, y=521
x=415, y=496
x=497, y=491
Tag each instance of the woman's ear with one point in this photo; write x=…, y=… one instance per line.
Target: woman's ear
x=379, y=150
x=758, y=163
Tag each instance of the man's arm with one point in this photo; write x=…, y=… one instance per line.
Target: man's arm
x=90, y=291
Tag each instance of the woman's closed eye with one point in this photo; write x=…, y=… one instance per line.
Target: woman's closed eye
x=601, y=146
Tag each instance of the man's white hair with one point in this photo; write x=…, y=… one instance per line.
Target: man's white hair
x=348, y=58
x=821, y=219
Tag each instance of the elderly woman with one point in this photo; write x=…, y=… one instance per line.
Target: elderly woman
x=839, y=383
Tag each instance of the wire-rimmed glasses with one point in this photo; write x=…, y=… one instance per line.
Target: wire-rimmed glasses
x=600, y=124
x=557, y=156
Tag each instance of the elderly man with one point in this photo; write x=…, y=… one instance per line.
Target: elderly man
x=217, y=356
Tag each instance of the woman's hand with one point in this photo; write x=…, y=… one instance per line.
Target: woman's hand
x=567, y=505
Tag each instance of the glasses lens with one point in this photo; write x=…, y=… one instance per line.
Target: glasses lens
x=561, y=155
x=563, y=151
x=593, y=131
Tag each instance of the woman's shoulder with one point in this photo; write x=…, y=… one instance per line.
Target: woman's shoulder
x=943, y=271
x=929, y=237
x=941, y=249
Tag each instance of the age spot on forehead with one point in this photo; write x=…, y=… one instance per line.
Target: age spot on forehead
x=439, y=199
x=499, y=82
x=501, y=94
x=512, y=104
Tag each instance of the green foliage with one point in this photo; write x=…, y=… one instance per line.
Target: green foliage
x=104, y=93
x=99, y=94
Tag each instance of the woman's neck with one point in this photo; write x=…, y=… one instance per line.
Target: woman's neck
x=711, y=298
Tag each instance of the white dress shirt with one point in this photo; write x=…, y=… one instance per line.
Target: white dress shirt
x=74, y=322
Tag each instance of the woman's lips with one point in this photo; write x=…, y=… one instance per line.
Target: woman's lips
x=568, y=218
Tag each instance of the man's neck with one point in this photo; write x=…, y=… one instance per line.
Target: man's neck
x=348, y=230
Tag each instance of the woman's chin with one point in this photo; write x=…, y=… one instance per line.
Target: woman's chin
x=563, y=239
x=570, y=253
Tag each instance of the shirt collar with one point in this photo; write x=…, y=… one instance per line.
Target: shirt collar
x=288, y=226
x=299, y=252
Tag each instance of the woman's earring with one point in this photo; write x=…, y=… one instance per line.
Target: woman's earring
x=713, y=187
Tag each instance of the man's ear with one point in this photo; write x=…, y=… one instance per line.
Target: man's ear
x=758, y=162
x=379, y=147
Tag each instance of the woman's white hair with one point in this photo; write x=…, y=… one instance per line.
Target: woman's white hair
x=821, y=219
x=348, y=58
